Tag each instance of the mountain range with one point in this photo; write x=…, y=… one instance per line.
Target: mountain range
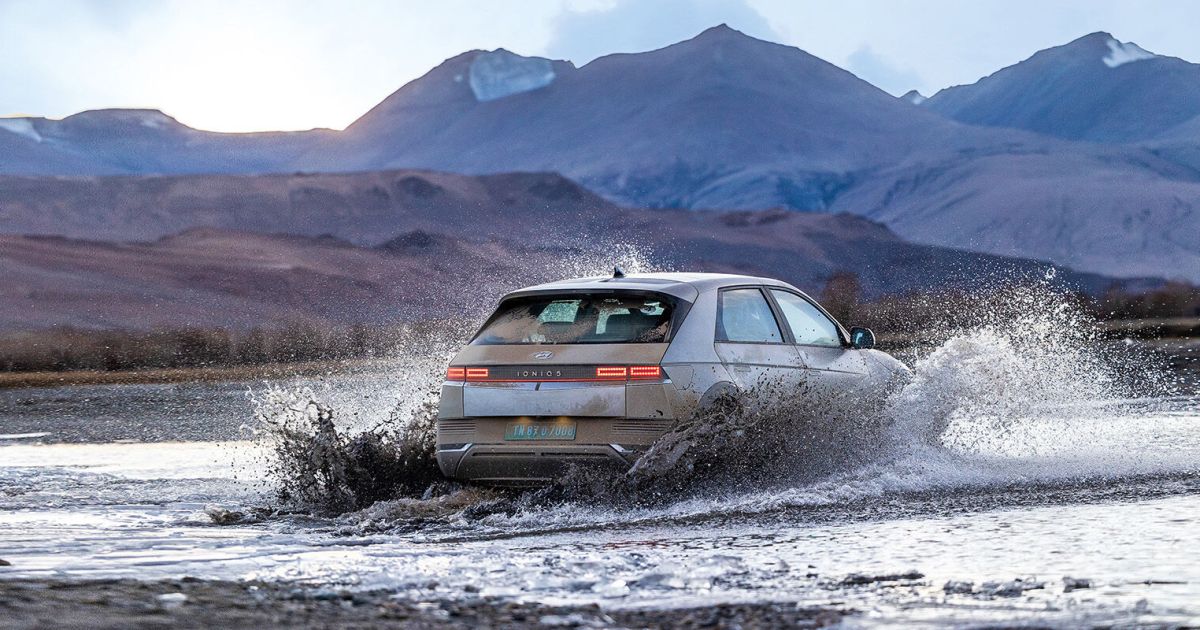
x=1095, y=88
x=217, y=277
x=363, y=208
x=1087, y=155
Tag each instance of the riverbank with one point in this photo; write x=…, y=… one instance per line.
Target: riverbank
x=1172, y=336
x=1160, y=331
x=191, y=374
x=204, y=604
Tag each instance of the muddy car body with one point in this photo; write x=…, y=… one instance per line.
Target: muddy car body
x=593, y=371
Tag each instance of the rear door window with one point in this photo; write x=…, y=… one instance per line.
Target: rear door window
x=580, y=318
x=744, y=316
x=809, y=325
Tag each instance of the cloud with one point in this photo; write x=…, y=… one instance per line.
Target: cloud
x=875, y=69
x=951, y=42
x=241, y=65
x=582, y=34
x=282, y=64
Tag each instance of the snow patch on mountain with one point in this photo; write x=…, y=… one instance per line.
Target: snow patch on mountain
x=151, y=118
x=1121, y=53
x=500, y=73
x=914, y=97
x=21, y=127
x=155, y=120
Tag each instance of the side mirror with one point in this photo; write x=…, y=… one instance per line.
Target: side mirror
x=862, y=338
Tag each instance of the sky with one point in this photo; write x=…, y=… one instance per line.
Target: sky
x=246, y=65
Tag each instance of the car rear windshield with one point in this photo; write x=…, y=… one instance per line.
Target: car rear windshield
x=580, y=318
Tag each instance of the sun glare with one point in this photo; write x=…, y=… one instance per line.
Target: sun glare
x=243, y=79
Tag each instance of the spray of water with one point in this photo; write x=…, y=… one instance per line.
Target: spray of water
x=323, y=462
x=1017, y=391
x=1027, y=353
x=776, y=434
x=315, y=465
x=1020, y=391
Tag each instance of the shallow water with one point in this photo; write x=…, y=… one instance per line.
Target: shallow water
x=169, y=412
x=1114, y=500
x=1044, y=475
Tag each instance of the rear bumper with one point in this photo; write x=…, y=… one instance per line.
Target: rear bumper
x=614, y=425
x=528, y=464
x=475, y=449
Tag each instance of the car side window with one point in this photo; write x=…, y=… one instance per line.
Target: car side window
x=809, y=325
x=743, y=315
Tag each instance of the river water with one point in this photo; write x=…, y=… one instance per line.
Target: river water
x=1045, y=499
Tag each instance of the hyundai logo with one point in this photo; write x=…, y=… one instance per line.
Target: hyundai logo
x=545, y=354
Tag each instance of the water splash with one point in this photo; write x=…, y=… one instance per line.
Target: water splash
x=1021, y=391
x=319, y=467
x=1029, y=354
x=334, y=457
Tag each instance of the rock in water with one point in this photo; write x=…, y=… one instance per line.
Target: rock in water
x=959, y=587
x=860, y=579
x=1011, y=588
x=1074, y=584
x=223, y=516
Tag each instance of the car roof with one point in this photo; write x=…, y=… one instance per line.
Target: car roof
x=684, y=285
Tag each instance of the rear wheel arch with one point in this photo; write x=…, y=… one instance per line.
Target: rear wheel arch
x=718, y=391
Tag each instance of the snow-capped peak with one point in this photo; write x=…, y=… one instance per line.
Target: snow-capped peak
x=151, y=118
x=1121, y=53
x=21, y=127
x=500, y=73
x=154, y=119
x=914, y=97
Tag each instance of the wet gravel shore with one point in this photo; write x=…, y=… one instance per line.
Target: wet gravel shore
x=190, y=603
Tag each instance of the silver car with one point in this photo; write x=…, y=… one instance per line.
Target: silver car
x=594, y=370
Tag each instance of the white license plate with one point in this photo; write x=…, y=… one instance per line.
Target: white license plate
x=517, y=431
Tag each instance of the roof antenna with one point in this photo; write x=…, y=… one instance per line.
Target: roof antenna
x=618, y=272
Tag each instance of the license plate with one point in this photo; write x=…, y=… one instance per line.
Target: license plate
x=540, y=431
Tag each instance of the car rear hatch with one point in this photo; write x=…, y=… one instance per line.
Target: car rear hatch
x=578, y=381
x=569, y=353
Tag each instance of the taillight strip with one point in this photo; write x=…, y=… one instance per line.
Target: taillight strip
x=645, y=371
x=601, y=373
x=611, y=372
x=477, y=374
